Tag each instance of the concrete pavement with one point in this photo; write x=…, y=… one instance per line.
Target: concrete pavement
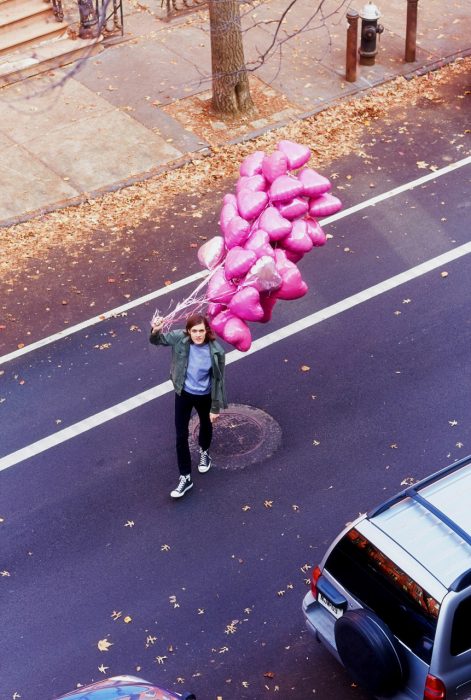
x=119, y=117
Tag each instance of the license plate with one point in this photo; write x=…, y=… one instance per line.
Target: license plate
x=325, y=602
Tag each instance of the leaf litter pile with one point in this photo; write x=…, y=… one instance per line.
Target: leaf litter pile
x=331, y=134
x=78, y=261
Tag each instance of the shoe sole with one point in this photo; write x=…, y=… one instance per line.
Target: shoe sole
x=176, y=494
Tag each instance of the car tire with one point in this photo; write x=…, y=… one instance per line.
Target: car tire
x=369, y=652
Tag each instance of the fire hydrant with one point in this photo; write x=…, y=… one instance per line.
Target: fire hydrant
x=369, y=29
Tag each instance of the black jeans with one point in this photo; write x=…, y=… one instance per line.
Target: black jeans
x=184, y=405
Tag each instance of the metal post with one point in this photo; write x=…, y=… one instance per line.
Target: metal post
x=411, y=30
x=89, y=26
x=352, y=42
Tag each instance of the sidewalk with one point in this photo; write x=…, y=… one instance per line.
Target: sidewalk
x=140, y=106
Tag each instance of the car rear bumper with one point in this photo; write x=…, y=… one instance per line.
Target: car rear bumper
x=320, y=623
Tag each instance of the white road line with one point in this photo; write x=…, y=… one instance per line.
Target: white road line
x=234, y=356
x=199, y=275
x=102, y=317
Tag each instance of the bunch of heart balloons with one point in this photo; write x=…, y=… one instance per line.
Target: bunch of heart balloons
x=267, y=226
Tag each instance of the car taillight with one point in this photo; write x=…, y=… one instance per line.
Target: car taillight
x=316, y=574
x=434, y=689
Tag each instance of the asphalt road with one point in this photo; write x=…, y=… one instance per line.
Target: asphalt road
x=205, y=593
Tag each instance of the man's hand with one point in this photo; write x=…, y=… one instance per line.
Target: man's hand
x=213, y=417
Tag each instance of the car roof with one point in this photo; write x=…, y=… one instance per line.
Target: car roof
x=432, y=521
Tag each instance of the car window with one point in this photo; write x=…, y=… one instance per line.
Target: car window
x=379, y=584
x=461, y=629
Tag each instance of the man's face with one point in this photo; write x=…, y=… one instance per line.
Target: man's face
x=198, y=334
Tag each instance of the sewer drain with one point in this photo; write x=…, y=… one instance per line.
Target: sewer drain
x=242, y=436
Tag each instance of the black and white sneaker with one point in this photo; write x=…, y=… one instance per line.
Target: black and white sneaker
x=205, y=461
x=184, y=484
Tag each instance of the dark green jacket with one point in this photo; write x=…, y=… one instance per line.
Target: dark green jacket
x=179, y=341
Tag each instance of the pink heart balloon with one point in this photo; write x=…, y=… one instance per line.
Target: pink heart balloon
x=274, y=166
x=257, y=238
x=219, y=320
x=267, y=302
x=237, y=333
x=252, y=164
x=237, y=232
x=238, y=262
x=324, y=205
x=284, y=188
x=257, y=183
x=294, y=209
x=292, y=285
x=229, y=198
x=214, y=309
x=263, y=275
x=297, y=154
x=298, y=240
x=251, y=204
x=259, y=242
x=294, y=257
x=315, y=232
x=211, y=253
x=219, y=289
x=246, y=304
x=228, y=212
x=274, y=224
x=313, y=183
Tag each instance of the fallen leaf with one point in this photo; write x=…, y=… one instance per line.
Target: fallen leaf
x=104, y=644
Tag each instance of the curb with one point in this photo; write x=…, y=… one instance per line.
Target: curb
x=207, y=151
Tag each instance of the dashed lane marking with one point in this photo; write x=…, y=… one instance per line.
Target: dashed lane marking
x=302, y=324
x=199, y=275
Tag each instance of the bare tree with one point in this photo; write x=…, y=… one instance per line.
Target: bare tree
x=230, y=83
x=231, y=92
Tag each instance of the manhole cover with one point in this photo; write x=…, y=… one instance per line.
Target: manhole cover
x=243, y=435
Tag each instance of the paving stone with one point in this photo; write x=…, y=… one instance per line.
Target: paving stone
x=27, y=183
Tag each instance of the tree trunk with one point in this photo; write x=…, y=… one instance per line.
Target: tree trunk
x=231, y=92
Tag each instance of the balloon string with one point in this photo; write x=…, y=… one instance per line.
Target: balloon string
x=195, y=300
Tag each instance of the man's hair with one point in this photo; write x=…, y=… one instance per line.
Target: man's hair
x=195, y=320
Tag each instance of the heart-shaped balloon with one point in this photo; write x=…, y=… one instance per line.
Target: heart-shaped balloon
x=294, y=257
x=324, y=205
x=251, y=204
x=257, y=183
x=252, y=164
x=267, y=302
x=229, y=198
x=214, y=309
x=219, y=289
x=257, y=238
x=315, y=232
x=246, y=304
x=219, y=321
x=284, y=188
x=297, y=154
x=292, y=284
x=237, y=232
x=294, y=209
x=236, y=332
x=274, y=224
x=313, y=183
x=259, y=242
x=274, y=166
x=228, y=212
x=298, y=240
x=263, y=275
x=238, y=262
x=211, y=253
